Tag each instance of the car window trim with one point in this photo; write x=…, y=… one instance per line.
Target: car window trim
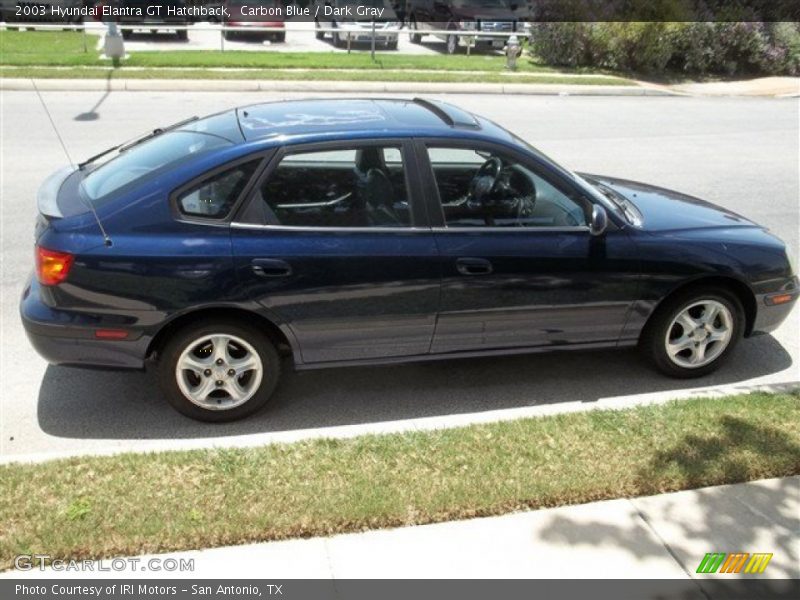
x=434, y=202
x=419, y=215
x=174, y=196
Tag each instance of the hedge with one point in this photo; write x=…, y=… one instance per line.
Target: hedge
x=693, y=48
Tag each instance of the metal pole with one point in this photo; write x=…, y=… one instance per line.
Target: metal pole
x=222, y=37
x=372, y=50
x=348, y=42
x=85, y=50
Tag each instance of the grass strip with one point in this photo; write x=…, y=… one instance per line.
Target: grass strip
x=314, y=75
x=95, y=507
x=65, y=48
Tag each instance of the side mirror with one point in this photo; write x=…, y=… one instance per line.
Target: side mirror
x=599, y=221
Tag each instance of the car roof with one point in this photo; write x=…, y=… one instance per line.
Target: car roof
x=354, y=115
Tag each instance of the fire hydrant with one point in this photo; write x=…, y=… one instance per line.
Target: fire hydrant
x=113, y=45
x=512, y=51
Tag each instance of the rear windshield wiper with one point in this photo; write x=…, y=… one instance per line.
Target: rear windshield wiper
x=148, y=136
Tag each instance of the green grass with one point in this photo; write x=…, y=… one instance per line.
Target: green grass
x=22, y=49
x=295, y=75
x=95, y=507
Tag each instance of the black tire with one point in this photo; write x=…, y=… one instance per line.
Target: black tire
x=653, y=339
x=280, y=37
x=391, y=46
x=183, y=35
x=227, y=35
x=337, y=39
x=320, y=35
x=168, y=359
x=413, y=35
x=126, y=34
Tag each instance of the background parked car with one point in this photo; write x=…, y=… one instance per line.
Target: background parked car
x=489, y=16
x=239, y=17
x=359, y=31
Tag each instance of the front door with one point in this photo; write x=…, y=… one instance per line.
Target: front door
x=334, y=247
x=520, y=267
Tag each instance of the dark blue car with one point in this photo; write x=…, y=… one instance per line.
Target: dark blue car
x=342, y=232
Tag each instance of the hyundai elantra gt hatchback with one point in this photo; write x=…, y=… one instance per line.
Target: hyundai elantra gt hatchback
x=326, y=233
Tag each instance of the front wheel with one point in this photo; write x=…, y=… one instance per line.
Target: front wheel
x=218, y=370
x=694, y=332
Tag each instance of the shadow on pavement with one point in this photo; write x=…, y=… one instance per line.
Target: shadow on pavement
x=78, y=403
x=754, y=519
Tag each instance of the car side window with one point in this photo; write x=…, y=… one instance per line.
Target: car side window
x=479, y=188
x=214, y=197
x=360, y=186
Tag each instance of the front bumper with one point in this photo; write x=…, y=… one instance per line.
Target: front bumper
x=770, y=316
x=68, y=338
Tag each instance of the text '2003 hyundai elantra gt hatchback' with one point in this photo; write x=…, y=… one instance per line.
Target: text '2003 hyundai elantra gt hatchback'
x=341, y=232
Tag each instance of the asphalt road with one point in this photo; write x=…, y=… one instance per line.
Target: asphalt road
x=740, y=153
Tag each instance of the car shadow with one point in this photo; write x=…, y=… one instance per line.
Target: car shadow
x=80, y=403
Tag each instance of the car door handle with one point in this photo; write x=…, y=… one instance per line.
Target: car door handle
x=473, y=266
x=271, y=267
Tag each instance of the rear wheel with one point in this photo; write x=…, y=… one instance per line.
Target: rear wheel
x=183, y=35
x=337, y=39
x=694, y=332
x=218, y=370
x=319, y=34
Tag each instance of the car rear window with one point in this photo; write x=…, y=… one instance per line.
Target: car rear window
x=147, y=159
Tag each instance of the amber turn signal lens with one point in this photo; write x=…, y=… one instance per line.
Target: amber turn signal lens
x=779, y=299
x=52, y=267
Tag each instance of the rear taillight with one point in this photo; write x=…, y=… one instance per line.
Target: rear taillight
x=52, y=267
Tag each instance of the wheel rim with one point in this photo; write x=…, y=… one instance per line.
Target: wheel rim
x=219, y=371
x=699, y=334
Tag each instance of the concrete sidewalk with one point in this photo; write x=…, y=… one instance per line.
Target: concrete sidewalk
x=664, y=536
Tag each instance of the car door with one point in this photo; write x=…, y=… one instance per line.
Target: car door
x=520, y=267
x=334, y=245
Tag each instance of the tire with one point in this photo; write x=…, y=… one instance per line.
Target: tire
x=183, y=35
x=227, y=35
x=391, y=46
x=452, y=44
x=667, y=329
x=337, y=39
x=126, y=34
x=320, y=35
x=413, y=36
x=194, y=344
x=280, y=37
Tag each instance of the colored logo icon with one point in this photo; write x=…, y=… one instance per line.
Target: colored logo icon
x=734, y=562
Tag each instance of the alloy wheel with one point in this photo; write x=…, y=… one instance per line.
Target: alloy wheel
x=219, y=371
x=699, y=334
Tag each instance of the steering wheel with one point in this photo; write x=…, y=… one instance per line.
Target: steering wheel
x=485, y=179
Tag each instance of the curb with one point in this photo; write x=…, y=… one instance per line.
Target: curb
x=237, y=85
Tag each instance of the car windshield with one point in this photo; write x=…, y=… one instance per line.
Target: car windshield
x=146, y=159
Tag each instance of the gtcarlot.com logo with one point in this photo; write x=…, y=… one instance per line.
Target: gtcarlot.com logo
x=28, y=562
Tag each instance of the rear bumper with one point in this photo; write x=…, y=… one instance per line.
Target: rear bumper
x=770, y=316
x=68, y=338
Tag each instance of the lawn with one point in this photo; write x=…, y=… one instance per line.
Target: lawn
x=135, y=503
x=65, y=49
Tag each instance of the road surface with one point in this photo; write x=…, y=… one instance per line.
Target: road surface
x=740, y=153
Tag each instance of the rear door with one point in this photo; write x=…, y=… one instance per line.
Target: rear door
x=334, y=244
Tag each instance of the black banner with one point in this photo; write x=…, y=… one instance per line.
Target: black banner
x=181, y=589
x=444, y=13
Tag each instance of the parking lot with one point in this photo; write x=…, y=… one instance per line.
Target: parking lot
x=740, y=153
x=300, y=37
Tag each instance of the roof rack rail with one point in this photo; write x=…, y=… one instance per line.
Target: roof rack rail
x=453, y=116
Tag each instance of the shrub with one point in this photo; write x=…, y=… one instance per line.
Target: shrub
x=696, y=48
